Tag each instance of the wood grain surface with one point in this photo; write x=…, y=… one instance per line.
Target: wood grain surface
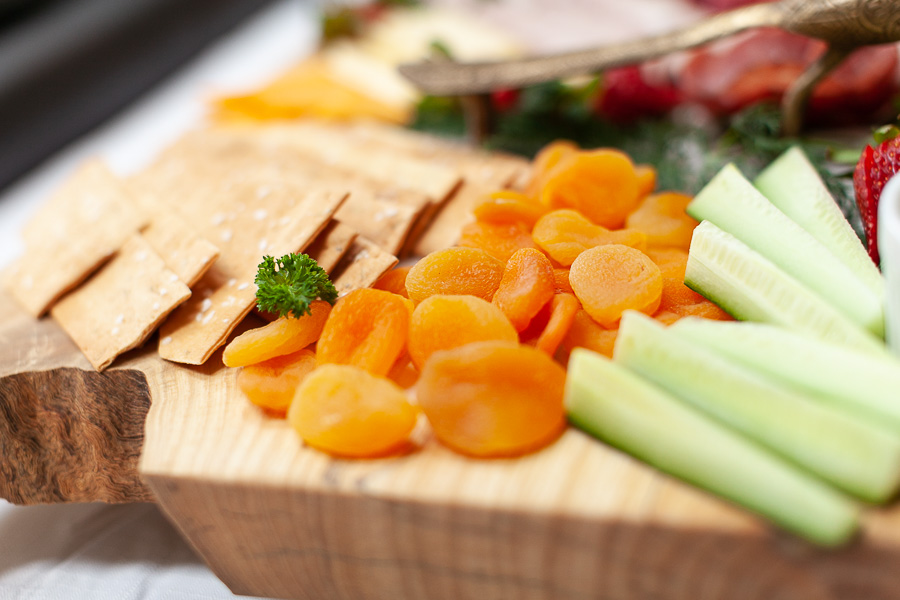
x=273, y=518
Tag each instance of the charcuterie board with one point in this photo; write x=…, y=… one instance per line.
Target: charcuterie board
x=272, y=517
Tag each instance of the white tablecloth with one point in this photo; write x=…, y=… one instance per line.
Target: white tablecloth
x=126, y=552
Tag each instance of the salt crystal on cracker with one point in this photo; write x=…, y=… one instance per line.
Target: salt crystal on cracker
x=120, y=305
x=82, y=225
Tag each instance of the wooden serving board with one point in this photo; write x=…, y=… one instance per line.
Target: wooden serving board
x=578, y=520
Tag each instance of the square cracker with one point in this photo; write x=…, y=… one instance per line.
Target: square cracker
x=362, y=266
x=121, y=304
x=331, y=147
x=331, y=245
x=384, y=222
x=284, y=220
x=443, y=227
x=491, y=168
x=82, y=225
x=381, y=210
x=183, y=249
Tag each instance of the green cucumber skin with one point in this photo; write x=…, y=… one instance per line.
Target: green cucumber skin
x=751, y=288
x=865, y=385
x=620, y=408
x=849, y=453
x=734, y=205
x=792, y=184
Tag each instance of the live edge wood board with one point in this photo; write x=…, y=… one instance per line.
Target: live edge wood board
x=576, y=521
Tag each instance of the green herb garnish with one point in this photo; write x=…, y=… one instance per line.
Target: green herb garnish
x=288, y=285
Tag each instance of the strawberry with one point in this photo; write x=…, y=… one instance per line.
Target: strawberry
x=505, y=99
x=876, y=165
x=628, y=95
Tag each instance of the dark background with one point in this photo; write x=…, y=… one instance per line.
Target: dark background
x=67, y=65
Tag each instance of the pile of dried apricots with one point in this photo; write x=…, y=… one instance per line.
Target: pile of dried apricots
x=476, y=336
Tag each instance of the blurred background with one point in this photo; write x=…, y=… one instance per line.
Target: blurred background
x=67, y=65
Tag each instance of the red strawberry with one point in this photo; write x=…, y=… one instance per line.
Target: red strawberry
x=875, y=167
x=504, y=100
x=628, y=95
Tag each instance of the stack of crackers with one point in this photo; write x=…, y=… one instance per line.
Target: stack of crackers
x=176, y=247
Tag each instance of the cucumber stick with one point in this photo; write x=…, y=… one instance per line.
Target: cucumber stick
x=863, y=384
x=849, y=453
x=630, y=413
x=792, y=184
x=734, y=205
x=751, y=288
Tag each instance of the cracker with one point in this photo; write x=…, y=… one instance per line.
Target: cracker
x=82, y=225
x=442, y=230
x=384, y=222
x=326, y=145
x=380, y=210
x=493, y=169
x=362, y=266
x=184, y=251
x=249, y=225
x=121, y=304
x=331, y=245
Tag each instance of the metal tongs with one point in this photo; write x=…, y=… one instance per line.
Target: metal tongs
x=844, y=25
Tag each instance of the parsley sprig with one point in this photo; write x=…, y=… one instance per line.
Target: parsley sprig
x=288, y=285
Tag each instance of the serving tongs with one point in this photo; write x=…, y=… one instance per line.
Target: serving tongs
x=844, y=25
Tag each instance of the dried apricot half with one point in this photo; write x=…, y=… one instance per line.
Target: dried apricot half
x=608, y=280
x=441, y=322
x=469, y=271
x=366, y=328
x=527, y=285
x=284, y=335
x=272, y=384
x=493, y=399
x=343, y=410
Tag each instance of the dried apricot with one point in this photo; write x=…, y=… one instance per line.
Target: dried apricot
x=469, y=271
x=394, y=281
x=675, y=293
x=284, y=335
x=493, y=399
x=563, y=309
x=441, y=322
x=367, y=328
x=566, y=233
x=500, y=240
x=663, y=218
x=404, y=373
x=526, y=286
x=547, y=157
x=272, y=383
x=666, y=317
x=586, y=333
x=600, y=184
x=704, y=309
x=672, y=262
x=646, y=177
x=561, y=281
x=509, y=207
x=609, y=280
x=345, y=411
